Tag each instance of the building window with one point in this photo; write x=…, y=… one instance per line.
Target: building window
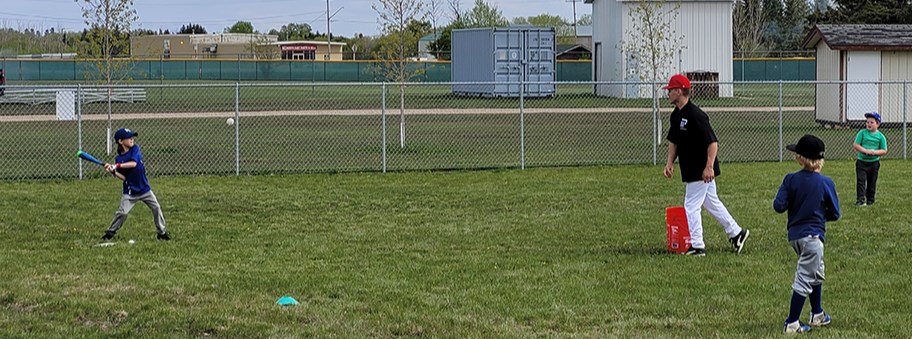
x=298, y=55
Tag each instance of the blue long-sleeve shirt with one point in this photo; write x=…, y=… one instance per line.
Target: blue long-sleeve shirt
x=136, y=182
x=810, y=199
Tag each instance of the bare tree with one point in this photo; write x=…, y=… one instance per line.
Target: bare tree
x=455, y=11
x=109, y=22
x=258, y=46
x=749, y=25
x=434, y=12
x=395, y=18
x=651, y=42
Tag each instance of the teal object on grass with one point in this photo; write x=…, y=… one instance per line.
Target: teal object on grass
x=286, y=300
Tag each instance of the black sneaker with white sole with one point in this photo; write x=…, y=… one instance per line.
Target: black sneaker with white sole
x=739, y=240
x=697, y=252
x=164, y=236
x=108, y=235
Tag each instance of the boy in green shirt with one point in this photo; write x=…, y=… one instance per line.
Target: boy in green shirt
x=871, y=144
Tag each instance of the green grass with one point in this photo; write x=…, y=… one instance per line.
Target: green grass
x=215, y=97
x=294, y=144
x=550, y=252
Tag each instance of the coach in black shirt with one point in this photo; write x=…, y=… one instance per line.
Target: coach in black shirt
x=692, y=141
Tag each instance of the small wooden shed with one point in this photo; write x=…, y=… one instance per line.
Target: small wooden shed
x=861, y=55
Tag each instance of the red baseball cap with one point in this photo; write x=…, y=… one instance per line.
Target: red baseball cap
x=677, y=81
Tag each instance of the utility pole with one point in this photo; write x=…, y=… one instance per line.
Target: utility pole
x=328, y=34
x=575, y=34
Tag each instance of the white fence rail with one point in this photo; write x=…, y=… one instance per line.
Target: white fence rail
x=38, y=96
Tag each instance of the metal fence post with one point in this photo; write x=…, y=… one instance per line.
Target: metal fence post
x=237, y=128
x=780, y=122
x=655, y=124
x=522, y=126
x=905, y=121
x=383, y=125
x=79, y=126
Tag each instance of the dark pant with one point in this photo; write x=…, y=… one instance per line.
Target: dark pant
x=866, y=180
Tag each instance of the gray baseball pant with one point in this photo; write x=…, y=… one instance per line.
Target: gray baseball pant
x=810, y=270
x=126, y=204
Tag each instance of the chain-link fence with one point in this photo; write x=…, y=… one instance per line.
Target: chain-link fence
x=344, y=127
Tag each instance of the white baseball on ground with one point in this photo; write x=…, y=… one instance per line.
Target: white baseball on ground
x=132, y=241
x=230, y=121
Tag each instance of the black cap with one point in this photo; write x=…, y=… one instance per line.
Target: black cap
x=808, y=146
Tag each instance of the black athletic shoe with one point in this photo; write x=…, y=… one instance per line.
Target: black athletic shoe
x=739, y=240
x=697, y=252
x=164, y=236
x=108, y=235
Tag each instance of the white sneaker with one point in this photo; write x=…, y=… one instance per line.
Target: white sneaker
x=820, y=319
x=797, y=327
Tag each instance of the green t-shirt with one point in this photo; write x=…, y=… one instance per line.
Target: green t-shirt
x=873, y=141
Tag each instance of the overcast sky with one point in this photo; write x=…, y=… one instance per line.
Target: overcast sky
x=351, y=16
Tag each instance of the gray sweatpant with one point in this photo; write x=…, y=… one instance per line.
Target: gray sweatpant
x=126, y=204
x=810, y=270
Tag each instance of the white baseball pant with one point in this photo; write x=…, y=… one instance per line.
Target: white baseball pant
x=699, y=194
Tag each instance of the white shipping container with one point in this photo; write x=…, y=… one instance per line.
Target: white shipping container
x=499, y=59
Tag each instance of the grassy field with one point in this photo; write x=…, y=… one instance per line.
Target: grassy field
x=575, y=128
x=550, y=252
x=208, y=97
x=295, y=144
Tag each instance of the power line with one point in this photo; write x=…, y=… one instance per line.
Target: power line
x=20, y=16
x=38, y=18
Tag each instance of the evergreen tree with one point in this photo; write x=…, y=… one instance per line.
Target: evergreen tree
x=866, y=12
x=192, y=29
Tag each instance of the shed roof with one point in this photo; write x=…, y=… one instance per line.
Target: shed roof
x=861, y=37
x=430, y=37
x=571, y=48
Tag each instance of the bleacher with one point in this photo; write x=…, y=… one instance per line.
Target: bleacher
x=38, y=96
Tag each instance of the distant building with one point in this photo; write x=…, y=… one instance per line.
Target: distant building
x=308, y=50
x=424, y=52
x=584, y=36
x=572, y=52
x=232, y=46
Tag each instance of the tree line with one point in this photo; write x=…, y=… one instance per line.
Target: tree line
x=433, y=17
x=762, y=26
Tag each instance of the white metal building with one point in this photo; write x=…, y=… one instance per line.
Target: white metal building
x=706, y=28
x=861, y=53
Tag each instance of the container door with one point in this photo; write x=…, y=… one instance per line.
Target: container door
x=540, y=62
x=862, y=98
x=508, y=62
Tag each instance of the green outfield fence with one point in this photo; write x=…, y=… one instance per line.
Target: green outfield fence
x=754, y=69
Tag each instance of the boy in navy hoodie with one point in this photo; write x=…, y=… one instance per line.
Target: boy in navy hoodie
x=810, y=199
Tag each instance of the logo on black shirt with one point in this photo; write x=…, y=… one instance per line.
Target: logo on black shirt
x=683, y=126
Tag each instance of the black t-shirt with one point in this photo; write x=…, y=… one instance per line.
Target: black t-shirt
x=691, y=132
